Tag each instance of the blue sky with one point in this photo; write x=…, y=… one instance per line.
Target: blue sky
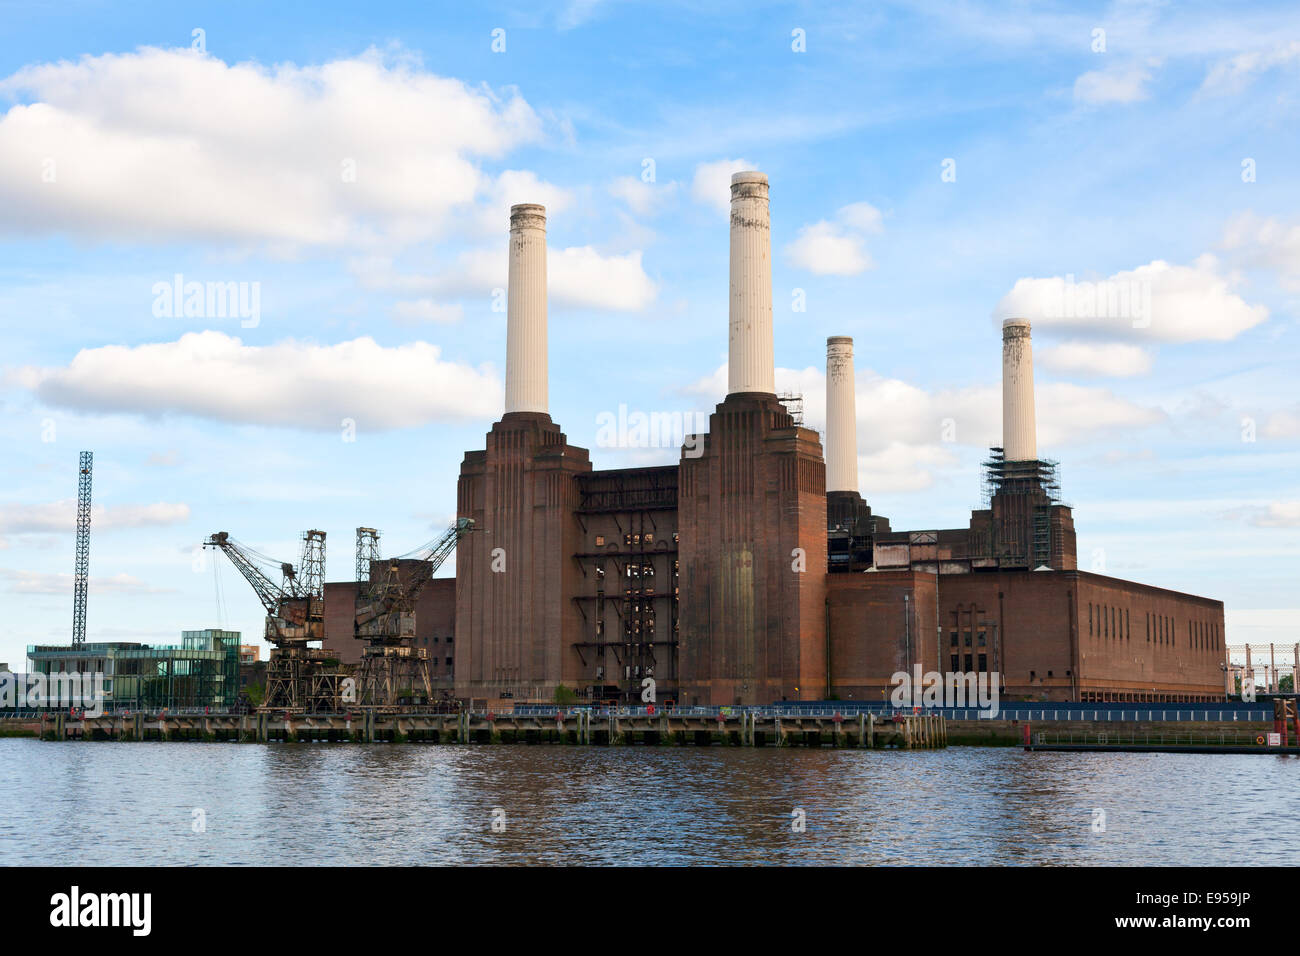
x=355, y=166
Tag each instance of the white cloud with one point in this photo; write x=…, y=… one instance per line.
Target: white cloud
x=642, y=198
x=1155, y=302
x=376, y=272
x=712, y=184
x=1277, y=514
x=160, y=145
x=426, y=310
x=578, y=276
x=45, y=582
x=905, y=433
x=1115, y=85
x=60, y=516
x=290, y=384
x=1283, y=424
x=901, y=467
x=862, y=216
x=1236, y=73
x=576, y=13
x=516, y=186
x=1267, y=243
x=826, y=248
x=1280, y=514
x=583, y=277
x=1109, y=359
x=1068, y=414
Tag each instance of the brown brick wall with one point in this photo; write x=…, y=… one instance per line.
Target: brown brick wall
x=516, y=629
x=753, y=629
x=435, y=629
x=435, y=621
x=1026, y=619
x=1048, y=649
x=881, y=622
x=1136, y=639
x=340, y=614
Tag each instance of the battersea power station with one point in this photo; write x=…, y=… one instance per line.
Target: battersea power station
x=753, y=571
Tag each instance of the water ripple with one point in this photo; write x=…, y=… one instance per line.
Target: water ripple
x=304, y=804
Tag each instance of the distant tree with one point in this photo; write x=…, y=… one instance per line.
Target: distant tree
x=565, y=696
x=255, y=694
x=1286, y=685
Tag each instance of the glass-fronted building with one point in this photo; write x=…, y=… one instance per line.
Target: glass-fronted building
x=202, y=671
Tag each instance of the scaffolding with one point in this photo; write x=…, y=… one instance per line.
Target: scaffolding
x=793, y=402
x=999, y=476
x=640, y=566
x=1020, y=497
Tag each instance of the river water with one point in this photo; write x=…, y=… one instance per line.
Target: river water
x=135, y=803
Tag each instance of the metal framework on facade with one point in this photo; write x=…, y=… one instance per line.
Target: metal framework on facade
x=641, y=595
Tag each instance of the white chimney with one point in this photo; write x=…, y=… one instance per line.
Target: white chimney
x=526, y=311
x=750, y=357
x=1018, y=433
x=841, y=416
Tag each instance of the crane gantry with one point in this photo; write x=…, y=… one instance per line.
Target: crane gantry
x=299, y=678
x=391, y=663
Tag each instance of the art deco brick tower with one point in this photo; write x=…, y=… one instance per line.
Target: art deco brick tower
x=514, y=622
x=752, y=510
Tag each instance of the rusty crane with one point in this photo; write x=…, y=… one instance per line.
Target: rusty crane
x=299, y=678
x=392, y=666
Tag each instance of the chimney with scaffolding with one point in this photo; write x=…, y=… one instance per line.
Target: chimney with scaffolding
x=1024, y=523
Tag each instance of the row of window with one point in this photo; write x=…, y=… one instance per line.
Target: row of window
x=1203, y=634
x=1109, y=623
x=980, y=637
x=633, y=538
x=635, y=570
x=981, y=660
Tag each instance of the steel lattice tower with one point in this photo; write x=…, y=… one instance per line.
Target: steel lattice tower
x=83, y=550
x=367, y=551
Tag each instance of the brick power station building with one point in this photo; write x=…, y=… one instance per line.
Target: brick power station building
x=753, y=571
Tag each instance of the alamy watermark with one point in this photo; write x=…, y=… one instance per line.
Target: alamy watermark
x=975, y=689
x=75, y=908
x=66, y=689
x=637, y=429
x=1105, y=299
x=179, y=299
